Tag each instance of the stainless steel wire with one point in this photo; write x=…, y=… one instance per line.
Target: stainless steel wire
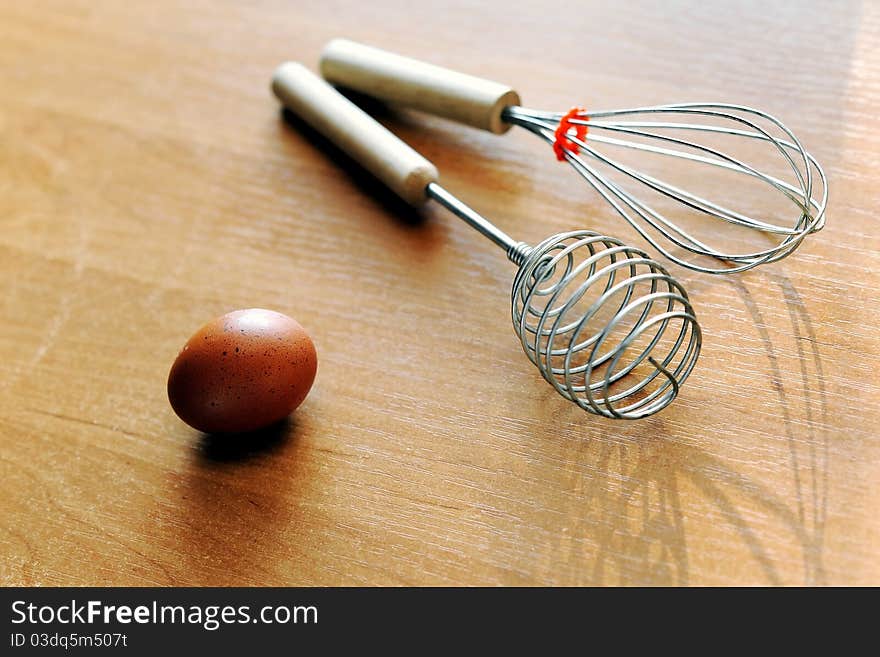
x=606, y=326
x=806, y=189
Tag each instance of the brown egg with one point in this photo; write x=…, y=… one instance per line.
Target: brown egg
x=242, y=371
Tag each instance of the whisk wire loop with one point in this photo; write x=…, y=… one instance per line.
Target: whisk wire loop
x=656, y=137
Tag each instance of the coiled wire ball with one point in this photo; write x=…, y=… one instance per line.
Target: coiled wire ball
x=606, y=326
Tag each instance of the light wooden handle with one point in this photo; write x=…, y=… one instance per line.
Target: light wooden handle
x=381, y=153
x=411, y=83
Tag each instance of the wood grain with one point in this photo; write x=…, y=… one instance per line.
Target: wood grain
x=148, y=183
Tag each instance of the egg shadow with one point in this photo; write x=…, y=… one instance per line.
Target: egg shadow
x=238, y=509
x=230, y=447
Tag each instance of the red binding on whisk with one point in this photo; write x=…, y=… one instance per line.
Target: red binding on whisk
x=563, y=141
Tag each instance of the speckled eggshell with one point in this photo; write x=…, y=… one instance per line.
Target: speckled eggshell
x=242, y=371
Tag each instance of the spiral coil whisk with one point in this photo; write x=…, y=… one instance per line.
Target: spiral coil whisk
x=605, y=325
x=666, y=138
x=663, y=138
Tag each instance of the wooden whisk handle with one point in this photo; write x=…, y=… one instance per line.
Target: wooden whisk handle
x=368, y=142
x=411, y=83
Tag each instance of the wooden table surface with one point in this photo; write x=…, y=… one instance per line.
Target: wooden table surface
x=149, y=183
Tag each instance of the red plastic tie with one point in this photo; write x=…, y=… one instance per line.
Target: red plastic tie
x=564, y=133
